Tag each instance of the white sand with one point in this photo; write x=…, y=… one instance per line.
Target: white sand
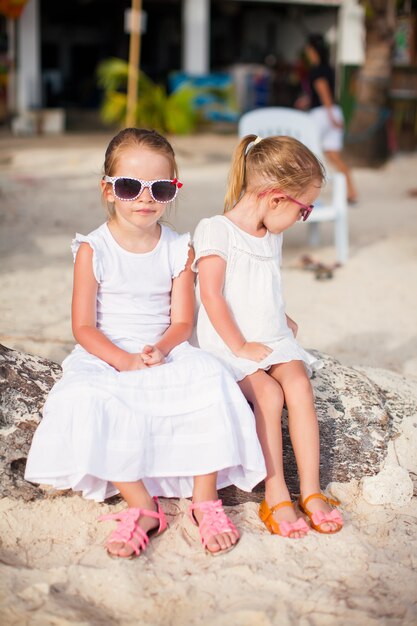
x=54, y=570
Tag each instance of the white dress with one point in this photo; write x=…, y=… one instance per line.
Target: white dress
x=252, y=289
x=164, y=424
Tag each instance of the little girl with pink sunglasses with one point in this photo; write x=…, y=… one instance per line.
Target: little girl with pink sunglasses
x=138, y=410
x=241, y=317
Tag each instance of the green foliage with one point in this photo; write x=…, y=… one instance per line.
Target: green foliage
x=181, y=116
x=112, y=74
x=173, y=113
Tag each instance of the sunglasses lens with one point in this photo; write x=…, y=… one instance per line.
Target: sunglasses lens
x=164, y=190
x=127, y=189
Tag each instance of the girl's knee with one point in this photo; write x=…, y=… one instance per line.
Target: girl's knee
x=300, y=384
x=270, y=396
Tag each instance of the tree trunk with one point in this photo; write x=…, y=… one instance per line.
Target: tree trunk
x=367, y=139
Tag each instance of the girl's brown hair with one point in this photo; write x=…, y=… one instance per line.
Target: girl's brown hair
x=269, y=163
x=135, y=138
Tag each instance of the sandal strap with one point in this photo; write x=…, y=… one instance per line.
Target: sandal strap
x=265, y=511
x=214, y=521
x=280, y=505
x=321, y=496
x=128, y=528
x=203, y=506
x=135, y=513
x=126, y=516
x=141, y=539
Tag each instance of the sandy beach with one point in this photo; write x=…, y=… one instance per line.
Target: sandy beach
x=53, y=568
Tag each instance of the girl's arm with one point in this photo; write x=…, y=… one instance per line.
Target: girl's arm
x=84, y=316
x=212, y=270
x=322, y=87
x=182, y=316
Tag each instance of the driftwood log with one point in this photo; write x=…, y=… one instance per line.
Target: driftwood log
x=357, y=420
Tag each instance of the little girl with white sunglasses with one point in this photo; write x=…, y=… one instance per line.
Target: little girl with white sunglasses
x=138, y=410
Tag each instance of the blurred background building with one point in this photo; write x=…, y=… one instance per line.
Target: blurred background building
x=50, y=51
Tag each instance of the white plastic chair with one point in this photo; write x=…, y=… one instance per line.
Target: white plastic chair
x=269, y=121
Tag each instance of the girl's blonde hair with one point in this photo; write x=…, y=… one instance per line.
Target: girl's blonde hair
x=135, y=138
x=270, y=163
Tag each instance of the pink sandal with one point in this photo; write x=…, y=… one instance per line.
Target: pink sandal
x=128, y=528
x=214, y=521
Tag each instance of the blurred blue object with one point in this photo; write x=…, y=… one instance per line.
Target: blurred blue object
x=261, y=89
x=214, y=80
x=216, y=98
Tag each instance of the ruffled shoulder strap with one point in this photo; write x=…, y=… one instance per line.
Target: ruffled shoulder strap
x=94, y=242
x=212, y=236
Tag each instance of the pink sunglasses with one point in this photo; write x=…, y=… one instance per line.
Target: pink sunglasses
x=305, y=208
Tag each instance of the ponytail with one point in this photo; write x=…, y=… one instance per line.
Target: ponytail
x=237, y=175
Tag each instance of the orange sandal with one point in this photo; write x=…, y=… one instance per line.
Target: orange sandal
x=128, y=529
x=214, y=522
x=284, y=529
x=318, y=518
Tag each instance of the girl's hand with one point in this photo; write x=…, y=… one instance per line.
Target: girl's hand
x=254, y=351
x=293, y=326
x=131, y=362
x=152, y=355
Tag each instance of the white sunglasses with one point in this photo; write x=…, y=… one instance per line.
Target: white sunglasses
x=128, y=189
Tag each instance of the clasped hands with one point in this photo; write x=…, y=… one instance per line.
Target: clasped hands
x=149, y=357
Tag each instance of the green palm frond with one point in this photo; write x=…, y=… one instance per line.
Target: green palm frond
x=173, y=113
x=113, y=107
x=181, y=117
x=112, y=74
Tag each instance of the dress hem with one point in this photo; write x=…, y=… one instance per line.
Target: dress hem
x=245, y=484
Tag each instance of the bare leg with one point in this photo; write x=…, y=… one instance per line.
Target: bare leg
x=136, y=496
x=339, y=164
x=303, y=429
x=267, y=398
x=205, y=488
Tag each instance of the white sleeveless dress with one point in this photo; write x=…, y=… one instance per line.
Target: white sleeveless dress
x=164, y=424
x=253, y=292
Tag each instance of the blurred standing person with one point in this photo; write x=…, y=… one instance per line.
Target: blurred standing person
x=326, y=113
